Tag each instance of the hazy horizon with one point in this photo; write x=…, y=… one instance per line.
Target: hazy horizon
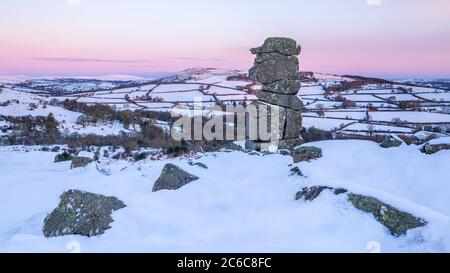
x=379, y=38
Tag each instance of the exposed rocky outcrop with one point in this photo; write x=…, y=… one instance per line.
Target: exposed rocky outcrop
x=432, y=149
x=172, y=178
x=198, y=164
x=293, y=126
x=81, y=213
x=296, y=172
x=311, y=193
x=276, y=68
x=64, y=156
x=272, y=113
x=289, y=144
x=396, y=221
x=80, y=162
x=306, y=153
x=339, y=191
x=390, y=142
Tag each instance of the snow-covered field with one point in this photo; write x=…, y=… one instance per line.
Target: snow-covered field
x=376, y=104
x=241, y=203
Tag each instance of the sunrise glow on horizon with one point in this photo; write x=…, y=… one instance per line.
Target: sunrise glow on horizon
x=387, y=38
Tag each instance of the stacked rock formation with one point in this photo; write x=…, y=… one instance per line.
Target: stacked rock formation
x=276, y=68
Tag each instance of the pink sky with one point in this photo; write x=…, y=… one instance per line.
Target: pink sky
x=399, y=38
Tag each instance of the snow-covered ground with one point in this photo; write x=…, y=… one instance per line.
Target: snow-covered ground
x=241, y=203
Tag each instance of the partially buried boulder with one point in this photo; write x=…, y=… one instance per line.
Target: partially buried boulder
x=81, y=213
x=396, y=221
x=198, y=164
x=79, y=162
x=306, y=153
x=296, y=172
x=64, y=156
x=311, y=193
x=172, y=178
x=432, y=149
x=390, y=142
x=290, y=144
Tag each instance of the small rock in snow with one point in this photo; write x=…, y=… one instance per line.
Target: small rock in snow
x=172, y=178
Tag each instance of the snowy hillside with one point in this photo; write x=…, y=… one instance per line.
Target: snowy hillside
x=342, y=104
x=220, y=213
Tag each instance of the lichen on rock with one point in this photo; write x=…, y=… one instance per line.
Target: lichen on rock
x=79, y=162
x=81, y=213
x=396, y=221
x=432, y=149
x=306, y=153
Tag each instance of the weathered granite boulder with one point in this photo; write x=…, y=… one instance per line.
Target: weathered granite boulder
x=306, y=153
x=290, y=144
x=275, y=68
x=396, y=221
x=339, y=191
x=81, y=213
x=64, y=156
x=284, y=152
x=311, y=193
x=432, y=149
x=268, y=57
x=257, y=146
x=293, y=124
x=287, y=87
x=390, y=142
x=281, y=45
x=282, y=145
x=172, y=178
x=80, y=162
x=288, y=101
x=271, y=113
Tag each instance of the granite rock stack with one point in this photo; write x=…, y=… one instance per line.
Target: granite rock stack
x=277, y=69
